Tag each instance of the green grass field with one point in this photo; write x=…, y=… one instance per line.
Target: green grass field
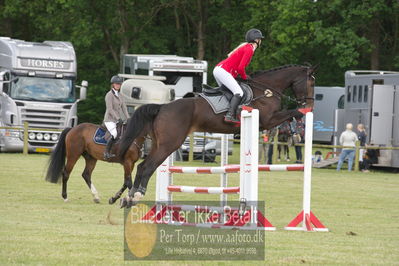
x=37, y=227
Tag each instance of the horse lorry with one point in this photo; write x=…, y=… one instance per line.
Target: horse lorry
x=327, y=99
x=162, y=79
x=37, y=86
x=372, y=98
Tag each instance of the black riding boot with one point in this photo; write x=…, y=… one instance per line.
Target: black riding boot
x=231, y=115
x=107, y=154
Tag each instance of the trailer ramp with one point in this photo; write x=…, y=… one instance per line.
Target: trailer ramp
x=326, y=162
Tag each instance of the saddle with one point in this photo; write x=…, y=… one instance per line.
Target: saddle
x=219, y=98
x=101, y=135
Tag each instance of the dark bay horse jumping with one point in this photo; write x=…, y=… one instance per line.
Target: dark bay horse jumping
x=169, y=124
x=78, y=141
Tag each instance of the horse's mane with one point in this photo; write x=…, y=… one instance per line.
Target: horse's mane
x=261, y=72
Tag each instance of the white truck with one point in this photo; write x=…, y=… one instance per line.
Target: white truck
x=37, y=86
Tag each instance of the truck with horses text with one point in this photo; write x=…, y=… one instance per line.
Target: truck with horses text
x=37, y=86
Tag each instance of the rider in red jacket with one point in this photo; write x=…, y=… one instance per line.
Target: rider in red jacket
x=227, y=70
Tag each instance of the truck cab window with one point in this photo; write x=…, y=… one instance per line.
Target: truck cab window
x=43, y=89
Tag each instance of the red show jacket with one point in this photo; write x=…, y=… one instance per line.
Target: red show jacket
x=236, y=63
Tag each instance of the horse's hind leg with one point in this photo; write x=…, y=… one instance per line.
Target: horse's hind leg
x=90, y=165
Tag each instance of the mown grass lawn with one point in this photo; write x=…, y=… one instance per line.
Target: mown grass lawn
x=37, y=227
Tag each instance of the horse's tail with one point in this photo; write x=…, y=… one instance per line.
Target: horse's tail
x=57, y=159
x=142, y=117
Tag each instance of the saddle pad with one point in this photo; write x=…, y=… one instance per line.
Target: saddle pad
x=99, y=136
x=220, y=103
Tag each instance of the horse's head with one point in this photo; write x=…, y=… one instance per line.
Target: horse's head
x=303, y=86
x=299, y=78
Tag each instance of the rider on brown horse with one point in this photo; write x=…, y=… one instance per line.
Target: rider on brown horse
x=227, y=70
x=116, y=111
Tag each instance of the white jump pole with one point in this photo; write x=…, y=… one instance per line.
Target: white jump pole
x=306, y=217
x=224, y=154
x=249, y=149
x=164, y=178
x=307, y=171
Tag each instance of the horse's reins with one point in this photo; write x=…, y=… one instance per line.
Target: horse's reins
x=280, y=95
x=264, y=87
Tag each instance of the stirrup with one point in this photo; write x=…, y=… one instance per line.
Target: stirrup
x=231, y=119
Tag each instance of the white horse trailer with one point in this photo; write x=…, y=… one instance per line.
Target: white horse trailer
x=327, y=99
x=185, y=74
x=372, y=98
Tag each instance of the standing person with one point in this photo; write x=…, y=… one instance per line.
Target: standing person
x=298, y=136
x=362, y=139
x=263, y=147
x=227, y=70
x=115, y=111
x=271, y=133
x=347, y=138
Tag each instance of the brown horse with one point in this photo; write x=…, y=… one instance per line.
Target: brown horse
x=169, y=124
x=78, y=141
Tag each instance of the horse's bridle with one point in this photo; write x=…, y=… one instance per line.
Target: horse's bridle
x=300, y=101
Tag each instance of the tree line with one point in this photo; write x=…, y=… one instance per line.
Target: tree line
x=338, y=34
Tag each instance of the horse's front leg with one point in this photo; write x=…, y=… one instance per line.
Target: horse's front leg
x=118, y=194
x=279, y=117
x=127, y=201
x=131, y=157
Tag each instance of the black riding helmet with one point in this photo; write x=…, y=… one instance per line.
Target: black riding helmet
x=253, y=34
x=116, y=79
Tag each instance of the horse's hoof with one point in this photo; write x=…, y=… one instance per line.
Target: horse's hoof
x=137, y=196
x=66, y=200
x=96, y=200
x=111, y=201
x=123, y=203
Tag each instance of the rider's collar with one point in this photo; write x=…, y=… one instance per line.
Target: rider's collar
x=115, y=92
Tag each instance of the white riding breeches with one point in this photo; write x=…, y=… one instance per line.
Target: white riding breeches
x=111, y=126
x=225, y=78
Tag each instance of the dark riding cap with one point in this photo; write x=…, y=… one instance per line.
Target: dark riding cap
x=116, y=79
x=253, y=34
